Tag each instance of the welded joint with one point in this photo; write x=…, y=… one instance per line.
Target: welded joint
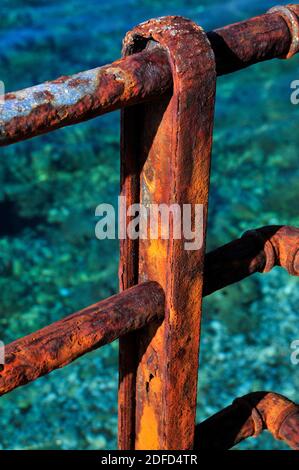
x=280, y=249
x=292, y=22
x=270, y=412
x=276, y=421
x=257, y=420
x=269, y=252
x=293, y=262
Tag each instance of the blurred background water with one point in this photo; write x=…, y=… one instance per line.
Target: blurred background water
x=51, y=264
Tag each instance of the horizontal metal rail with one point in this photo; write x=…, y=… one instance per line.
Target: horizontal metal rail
x=62, y=342
x=135, y=79
x=247, y=417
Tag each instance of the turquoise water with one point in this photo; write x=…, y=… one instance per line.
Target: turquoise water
x=51, y=264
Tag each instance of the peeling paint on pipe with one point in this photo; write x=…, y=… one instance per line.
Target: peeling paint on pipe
x=69, y=100
x=134, y=79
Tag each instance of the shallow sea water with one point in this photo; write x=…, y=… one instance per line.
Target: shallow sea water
x=51, y=264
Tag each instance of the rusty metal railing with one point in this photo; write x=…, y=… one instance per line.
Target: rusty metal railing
x=135, y=79
x=165, y=86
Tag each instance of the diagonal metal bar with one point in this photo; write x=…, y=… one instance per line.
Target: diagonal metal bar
x=99, y=324
x=62, y=342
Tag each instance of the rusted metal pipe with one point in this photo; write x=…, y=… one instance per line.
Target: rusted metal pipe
x=256, y=251
x=62, y=342
x=247, y=417
x=135, y=79
x=168, y=163
x=261, y=38
x=72, y=99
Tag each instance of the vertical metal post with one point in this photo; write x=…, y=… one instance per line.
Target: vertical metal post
x=166, y=149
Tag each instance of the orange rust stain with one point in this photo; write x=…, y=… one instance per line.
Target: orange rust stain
x=148, y=437
x=156, y=385
x=157, y=250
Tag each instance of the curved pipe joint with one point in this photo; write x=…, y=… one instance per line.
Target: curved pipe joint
x=281, y=247
x=247, y=417
x=256, y=251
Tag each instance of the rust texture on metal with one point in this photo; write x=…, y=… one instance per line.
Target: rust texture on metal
x=169, y=162
x=165, y=86
x=72, y=99
x=251, y=41
x=62, y=342
x=288, y=13
x=223, y=266
x=256, y=251
x=247, y=417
